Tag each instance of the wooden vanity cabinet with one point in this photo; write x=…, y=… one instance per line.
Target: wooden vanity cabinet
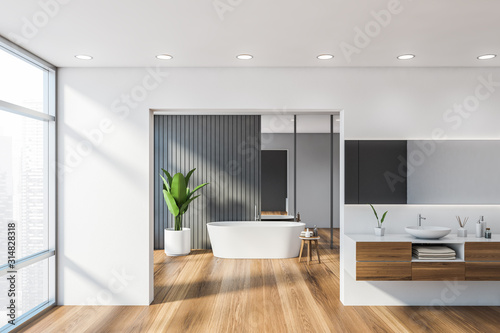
x=383, y=271
x=383, y=251
x=482, y=271
x=482, y=251
x=482, y=261
x=383, y=261
x=392, y=261
x=438, y=271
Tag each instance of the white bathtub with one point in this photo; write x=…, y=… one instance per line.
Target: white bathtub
x=255, y=240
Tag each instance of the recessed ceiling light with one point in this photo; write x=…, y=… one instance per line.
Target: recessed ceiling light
x=292, y=119
x=337, y=119
x=325, y=57
x=244, y=56
x=406, y=56
x=164, y=56
x=486, y=56
x=83, y=57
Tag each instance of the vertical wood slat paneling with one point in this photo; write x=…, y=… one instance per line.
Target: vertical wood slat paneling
x=225, y=150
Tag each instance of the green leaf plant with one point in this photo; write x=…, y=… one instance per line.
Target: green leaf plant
x=177, y=195
x=379, y=222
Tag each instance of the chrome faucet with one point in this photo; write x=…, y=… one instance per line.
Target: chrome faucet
x=420, y=218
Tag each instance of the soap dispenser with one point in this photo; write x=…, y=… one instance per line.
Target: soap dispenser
x=480, y=227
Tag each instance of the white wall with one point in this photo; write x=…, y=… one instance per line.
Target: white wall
x=103, y=191
x=104, y=186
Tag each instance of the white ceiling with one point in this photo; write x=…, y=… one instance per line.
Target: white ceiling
x=279, y=33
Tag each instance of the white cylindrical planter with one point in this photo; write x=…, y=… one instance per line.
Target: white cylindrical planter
x=177, y=242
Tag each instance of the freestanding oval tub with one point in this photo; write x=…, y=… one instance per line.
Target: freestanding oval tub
x=255, y=240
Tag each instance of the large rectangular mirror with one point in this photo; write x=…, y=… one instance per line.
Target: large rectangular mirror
x=274, y=182
x=453, y=172
x=423, y=172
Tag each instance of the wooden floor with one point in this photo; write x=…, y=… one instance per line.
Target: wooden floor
x=200, y=293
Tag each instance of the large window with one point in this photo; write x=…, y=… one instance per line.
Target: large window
x=27, y=186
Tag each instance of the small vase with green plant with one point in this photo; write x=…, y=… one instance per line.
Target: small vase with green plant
x=379, y=230
x=178, y=197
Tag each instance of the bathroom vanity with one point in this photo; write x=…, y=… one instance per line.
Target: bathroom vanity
x=444, y=179
x=389, y=258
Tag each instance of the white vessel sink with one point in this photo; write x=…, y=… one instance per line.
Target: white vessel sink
x=428, y=232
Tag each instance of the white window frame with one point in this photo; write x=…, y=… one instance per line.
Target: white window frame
x=49, y=116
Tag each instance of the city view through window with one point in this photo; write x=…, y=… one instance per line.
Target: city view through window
x=25, y=200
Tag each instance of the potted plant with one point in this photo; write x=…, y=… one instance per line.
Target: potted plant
x=178, y=197
x=379, y=230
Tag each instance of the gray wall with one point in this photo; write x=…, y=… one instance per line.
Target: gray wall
x=453, y=172
x=225, y=150
x=313, y=175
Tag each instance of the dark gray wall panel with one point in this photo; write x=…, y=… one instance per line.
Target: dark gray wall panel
x=225, y=150
x=380, y=180
x=351, y=172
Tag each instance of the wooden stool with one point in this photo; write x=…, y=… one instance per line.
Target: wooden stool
x=309, y=240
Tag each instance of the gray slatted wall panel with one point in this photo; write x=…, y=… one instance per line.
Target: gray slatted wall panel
x=225, y=150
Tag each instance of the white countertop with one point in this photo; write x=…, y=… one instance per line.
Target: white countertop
x=449, y=239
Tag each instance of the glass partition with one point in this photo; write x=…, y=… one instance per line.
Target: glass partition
x=318, y=170
x=277, y=167
x=301, y=169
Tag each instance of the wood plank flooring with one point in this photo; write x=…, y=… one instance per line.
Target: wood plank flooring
x=200, y=293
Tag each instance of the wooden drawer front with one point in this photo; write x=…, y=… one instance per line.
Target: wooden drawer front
x=383, y=251
x=438, y=271
x=482, y=271
x=482, y=251
x=383, y=271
